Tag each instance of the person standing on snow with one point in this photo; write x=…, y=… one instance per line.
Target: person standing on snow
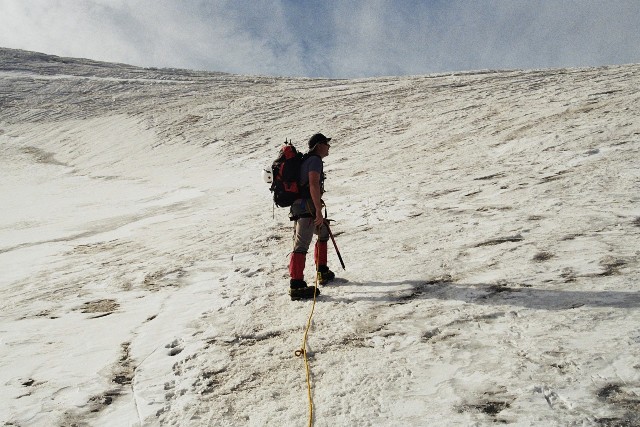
x=306, y=213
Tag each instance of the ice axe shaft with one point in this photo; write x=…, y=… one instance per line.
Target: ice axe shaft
x=333, y=240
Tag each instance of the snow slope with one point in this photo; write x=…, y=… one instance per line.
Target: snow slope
x=489, y=222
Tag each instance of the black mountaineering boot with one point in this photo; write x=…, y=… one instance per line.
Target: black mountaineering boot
x=325, y=274
x=299, y=290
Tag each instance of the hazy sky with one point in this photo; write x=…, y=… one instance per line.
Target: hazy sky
x=329, y=38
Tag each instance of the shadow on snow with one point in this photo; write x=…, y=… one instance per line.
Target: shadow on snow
x=485, y=294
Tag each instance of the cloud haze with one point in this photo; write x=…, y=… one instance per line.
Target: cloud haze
x=330, y=38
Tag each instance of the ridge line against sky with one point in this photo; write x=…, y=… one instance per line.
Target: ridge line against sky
x=335, y=39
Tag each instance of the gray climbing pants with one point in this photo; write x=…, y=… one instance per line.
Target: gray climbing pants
x=303, y=232
x=304, y=229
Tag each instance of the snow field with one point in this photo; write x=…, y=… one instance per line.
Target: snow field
x=488, y=221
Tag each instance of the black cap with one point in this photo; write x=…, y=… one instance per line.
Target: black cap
x=316, y=139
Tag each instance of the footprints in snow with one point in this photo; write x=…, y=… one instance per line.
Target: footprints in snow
x=446, y=331
x=208, y=374
x=624, y=400
x=490, y=403
x=121, y=379
x=31, y=385
x=249, y=272
x=104, y=307
x=611, y=266
x=175, y=347
x=124, y=371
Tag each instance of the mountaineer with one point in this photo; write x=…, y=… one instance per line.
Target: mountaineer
x=306, y=214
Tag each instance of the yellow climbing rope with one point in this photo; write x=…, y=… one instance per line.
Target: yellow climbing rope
x=303, y=350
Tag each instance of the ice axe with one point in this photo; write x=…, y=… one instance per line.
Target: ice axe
x=326, y=222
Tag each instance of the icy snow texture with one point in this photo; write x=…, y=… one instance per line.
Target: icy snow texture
x=489, y=222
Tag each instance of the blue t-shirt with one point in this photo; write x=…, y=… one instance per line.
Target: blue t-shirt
x=301, y=207
x=311, y=164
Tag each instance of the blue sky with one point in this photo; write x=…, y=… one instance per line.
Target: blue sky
x=337, y=39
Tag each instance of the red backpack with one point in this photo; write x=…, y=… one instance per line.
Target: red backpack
x=286, y=173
